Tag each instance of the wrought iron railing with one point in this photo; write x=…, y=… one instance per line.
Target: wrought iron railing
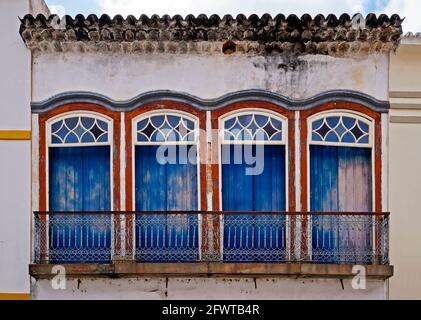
x=193, y=236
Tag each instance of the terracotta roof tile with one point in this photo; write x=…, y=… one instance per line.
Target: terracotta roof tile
x=330, y=35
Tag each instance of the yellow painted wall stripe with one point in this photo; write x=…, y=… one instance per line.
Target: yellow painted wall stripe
x=15, y=296
x=15, y=135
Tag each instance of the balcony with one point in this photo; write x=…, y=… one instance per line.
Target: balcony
x=211, y=242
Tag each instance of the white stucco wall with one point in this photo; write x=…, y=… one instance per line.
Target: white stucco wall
x=15, y=68
x=208, y=288
x=122, y=77
x=15, y=177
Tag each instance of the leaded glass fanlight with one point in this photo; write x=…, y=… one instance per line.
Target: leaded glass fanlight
x=166, y=128
x=79, y=129
x=346, y=129
x=253, y=126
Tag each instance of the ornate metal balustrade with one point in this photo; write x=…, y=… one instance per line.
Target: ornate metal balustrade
x=275, y=237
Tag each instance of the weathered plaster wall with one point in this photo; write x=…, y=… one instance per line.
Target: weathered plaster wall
x=122, y=77
x=15, y=67
x=208, y=288
x=15, y=215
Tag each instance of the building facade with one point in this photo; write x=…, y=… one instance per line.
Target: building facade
x=202, y=157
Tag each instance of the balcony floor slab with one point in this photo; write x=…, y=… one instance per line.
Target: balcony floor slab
x=122, y=269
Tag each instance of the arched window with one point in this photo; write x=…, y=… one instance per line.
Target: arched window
x=253, y=178
x=341, y=180
x=166, y=173
x=79, y=179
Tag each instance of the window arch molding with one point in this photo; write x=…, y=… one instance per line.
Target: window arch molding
x=341, y=127
x=79, y=128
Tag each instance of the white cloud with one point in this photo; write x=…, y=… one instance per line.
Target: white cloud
x=57, y=9
x=410, y=9
x=405, y=8
x=233, y=7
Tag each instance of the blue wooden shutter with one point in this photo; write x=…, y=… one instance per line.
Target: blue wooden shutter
x=253, y=237
x=340, y=180
x=166, y=187
x=79, y=180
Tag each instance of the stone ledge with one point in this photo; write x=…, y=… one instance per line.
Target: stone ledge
x=211, y=269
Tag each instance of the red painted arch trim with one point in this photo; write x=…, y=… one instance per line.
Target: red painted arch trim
x=115, y=116
x=157, y=106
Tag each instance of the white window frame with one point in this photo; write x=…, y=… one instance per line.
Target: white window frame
x=110, y=143
x=221, y=141
x=196, y=141
x=370, y=145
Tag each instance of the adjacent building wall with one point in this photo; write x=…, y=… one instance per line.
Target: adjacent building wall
x=15, y=149
x=15, y=177
x=405, y=169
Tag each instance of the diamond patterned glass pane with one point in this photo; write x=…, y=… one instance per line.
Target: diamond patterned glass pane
x=71, y=138
x=157, y=121
x=340, y=129
x=102, y=125
x=79, y=130
x=56, y=126
x=363, y=139
x=332, y=121
x=332, y=137
x=245, y=120
x=348, y=122
x=88, y=137
x=348, y=137
x=317, y=124
x=71, y=122
x=88, y=122
x=165, y=128
x=253, y=127
x=141, y=125
x=103, y=138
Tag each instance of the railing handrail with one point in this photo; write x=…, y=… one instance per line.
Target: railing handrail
x=287, y=213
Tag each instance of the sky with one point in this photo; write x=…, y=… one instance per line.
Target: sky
x=410, y=9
